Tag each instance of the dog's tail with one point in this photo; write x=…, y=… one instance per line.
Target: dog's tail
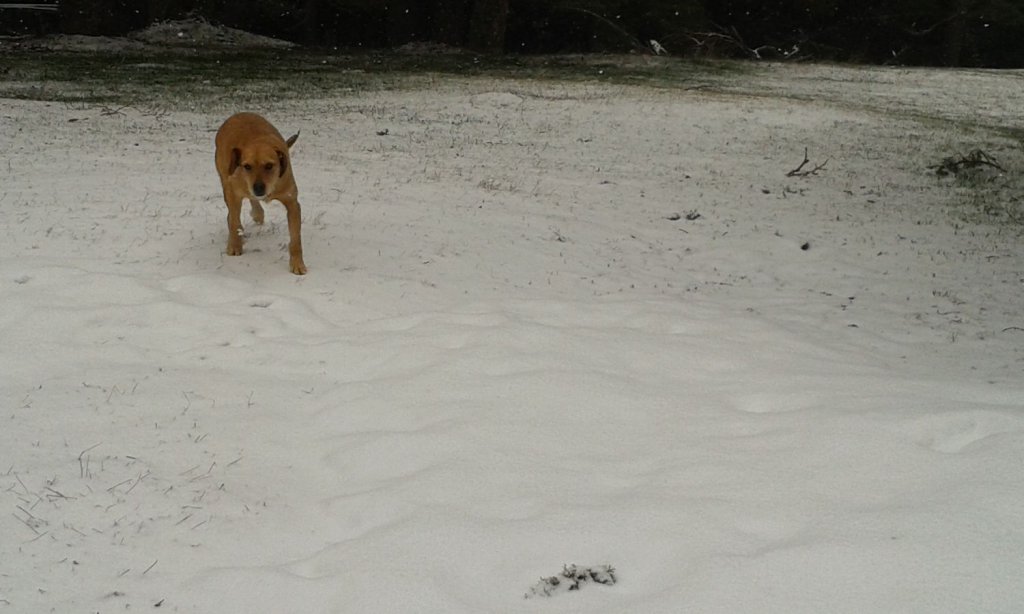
x=291, y=140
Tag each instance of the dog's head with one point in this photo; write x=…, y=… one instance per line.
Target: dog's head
x=261, y=165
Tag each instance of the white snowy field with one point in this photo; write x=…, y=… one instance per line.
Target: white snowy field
x=544, y=323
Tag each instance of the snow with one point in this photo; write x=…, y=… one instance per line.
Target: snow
x=514, y=352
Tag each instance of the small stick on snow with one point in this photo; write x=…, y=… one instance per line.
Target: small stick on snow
x=799, y=172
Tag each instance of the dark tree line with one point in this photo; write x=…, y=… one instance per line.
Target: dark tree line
x=937, y=32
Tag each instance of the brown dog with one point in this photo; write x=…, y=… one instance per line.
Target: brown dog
x=252, y=161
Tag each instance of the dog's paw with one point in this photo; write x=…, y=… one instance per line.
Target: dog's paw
x=234, y=248
x=298, y=267
x=256, y=213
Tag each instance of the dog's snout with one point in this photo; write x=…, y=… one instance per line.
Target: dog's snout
x=258, y=189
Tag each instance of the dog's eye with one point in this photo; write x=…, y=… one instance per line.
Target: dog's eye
x=247, y=167
x=268, y=166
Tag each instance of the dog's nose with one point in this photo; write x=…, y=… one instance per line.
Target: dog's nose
x=258, y=189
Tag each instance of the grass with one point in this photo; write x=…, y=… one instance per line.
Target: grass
x=990, y=192
x=995, y=199
x=189, y=78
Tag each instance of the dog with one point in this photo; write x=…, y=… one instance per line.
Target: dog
x=253, y=163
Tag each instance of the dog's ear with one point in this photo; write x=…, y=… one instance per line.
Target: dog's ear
x=236, y=159
x=291, y=140
x=282, y=161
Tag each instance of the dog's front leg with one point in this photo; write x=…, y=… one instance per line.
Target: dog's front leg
x=256, y=210
x=295, y=262
x=234, y=225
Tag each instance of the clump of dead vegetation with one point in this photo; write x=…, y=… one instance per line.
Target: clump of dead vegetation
x=967, y=163
x=990, y=187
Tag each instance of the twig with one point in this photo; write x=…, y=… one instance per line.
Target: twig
x=799, y=172
x=1009, y=328
x=151, y=567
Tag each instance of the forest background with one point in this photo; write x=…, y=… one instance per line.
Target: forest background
x=981, y=33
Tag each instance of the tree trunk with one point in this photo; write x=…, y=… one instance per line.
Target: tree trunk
x=955, y=33
x=487, y=28
x=311, y=21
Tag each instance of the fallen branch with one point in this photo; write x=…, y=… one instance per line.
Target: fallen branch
x=707, y=42
x=954, y=166
x=799, y=172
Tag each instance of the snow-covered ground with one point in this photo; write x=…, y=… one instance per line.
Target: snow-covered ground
x=544, y=323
